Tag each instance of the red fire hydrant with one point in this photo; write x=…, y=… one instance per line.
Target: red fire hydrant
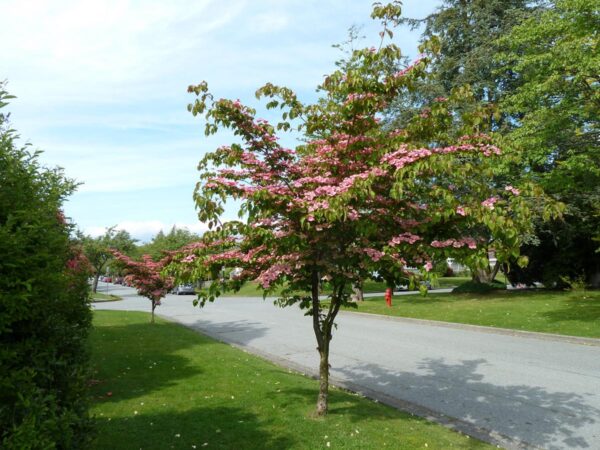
x=388, y=297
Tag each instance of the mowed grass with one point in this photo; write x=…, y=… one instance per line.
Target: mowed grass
x=164, y=386
x=252, y=289
x=568, y=313
x=99, y=297
x=450, y=282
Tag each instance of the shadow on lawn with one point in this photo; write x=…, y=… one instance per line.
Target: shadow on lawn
x=532, y=414
x=354, y=407
x=576, y=308
x=130, y=361
x=218, y=427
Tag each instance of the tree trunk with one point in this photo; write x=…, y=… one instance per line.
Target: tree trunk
x=486, y=275
x=323, y=399
x=95, y=284
x=358, y=292
x=322, y=327
x=153, y=307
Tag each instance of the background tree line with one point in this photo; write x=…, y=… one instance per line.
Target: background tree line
x=535, y=66
x=99, y=249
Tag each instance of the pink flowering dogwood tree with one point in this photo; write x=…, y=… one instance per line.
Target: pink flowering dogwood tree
x=354, y=198
x=146, y=277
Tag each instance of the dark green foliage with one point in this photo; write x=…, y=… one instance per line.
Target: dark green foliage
x=557, y=56
x=466, y=32
x=44, y=311
x=163, y=243
x=564, y=248
x=476, y=287
x=98, y=250
x=534, y=66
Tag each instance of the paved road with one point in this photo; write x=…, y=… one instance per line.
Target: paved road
x=516, y=391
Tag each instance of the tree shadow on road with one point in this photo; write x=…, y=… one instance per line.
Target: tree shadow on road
x=238, y=331
x=527, y=413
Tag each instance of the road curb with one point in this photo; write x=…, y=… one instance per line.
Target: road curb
x=483, y=329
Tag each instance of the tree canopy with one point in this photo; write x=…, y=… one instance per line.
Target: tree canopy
x=145, y=275
x=556, y=55
x=465, y=34
x=98, y=249
x=163, y=243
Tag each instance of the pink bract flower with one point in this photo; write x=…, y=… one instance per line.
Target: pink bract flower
x=375, y=255
x=489, y=203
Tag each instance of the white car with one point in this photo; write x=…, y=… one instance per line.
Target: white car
x=184, y=289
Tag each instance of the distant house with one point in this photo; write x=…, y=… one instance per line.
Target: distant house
x=455, y=265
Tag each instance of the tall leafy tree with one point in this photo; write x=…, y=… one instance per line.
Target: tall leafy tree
x=355, y=198
x=556, y=54
x=462, y=38
x=465, y=33
x=163, y=243
x=98, y=249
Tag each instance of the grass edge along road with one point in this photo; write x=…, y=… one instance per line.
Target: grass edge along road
x=574, y=313
x=99, y=297
x=166, y=386
x=252, y=289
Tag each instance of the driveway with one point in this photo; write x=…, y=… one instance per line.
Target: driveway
x=518, y=391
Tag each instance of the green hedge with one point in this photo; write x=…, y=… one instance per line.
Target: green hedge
x=44, y=310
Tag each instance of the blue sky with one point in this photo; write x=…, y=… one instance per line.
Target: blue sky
x=101, y=88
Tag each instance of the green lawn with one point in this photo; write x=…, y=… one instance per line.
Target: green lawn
x=449, y=282
x=164, y=386
x=99, y=297
x=251, y=289
x=576, y=314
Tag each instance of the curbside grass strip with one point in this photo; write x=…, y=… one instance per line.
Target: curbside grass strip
x=485, y=329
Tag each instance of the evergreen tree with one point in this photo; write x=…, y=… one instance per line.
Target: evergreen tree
x=466, y=32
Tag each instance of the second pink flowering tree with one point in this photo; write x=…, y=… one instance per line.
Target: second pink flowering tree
x=354, y=198
x=146, y=277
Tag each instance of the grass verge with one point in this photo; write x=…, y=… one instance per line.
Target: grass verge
x=99, y=297
x=251, y=289
x=568, y=313
x=164, y=386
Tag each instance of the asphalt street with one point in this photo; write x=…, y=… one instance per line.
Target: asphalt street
x=518, y=391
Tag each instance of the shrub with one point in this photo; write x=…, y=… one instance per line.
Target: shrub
x=44, y=310
x=449, y=272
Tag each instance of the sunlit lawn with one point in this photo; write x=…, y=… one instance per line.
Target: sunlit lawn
x=100, y=297
x=576, y=313
x=164, y=386
x=252, y=289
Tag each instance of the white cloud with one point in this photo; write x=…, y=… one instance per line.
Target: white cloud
x=104, y=49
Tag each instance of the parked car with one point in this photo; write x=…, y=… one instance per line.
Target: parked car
x=184, y=289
